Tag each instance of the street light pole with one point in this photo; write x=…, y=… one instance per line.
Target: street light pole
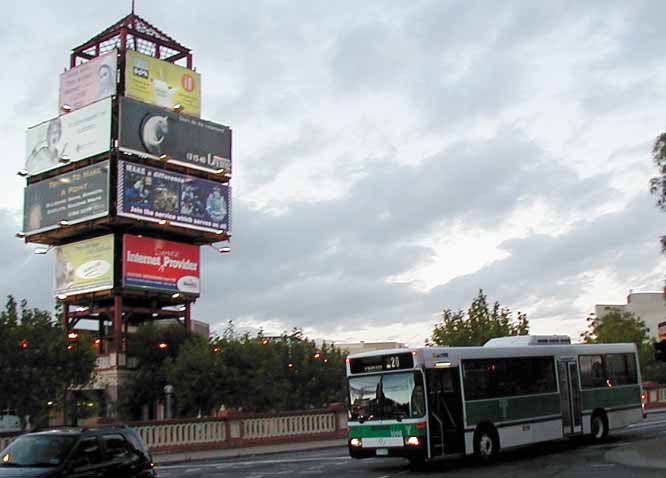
x=168, y=392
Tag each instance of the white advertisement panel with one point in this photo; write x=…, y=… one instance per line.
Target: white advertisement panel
x=74, y=136
x=89, y=82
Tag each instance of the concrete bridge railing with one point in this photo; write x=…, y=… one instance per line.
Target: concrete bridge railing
x=236, y=430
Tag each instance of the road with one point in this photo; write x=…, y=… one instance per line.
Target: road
x=565, y=458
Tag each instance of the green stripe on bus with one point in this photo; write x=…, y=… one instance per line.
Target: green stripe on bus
x=611, y=397
x=512, y=408
x=379, y=431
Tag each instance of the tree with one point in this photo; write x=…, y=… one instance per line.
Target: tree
x=155, y=349
x=658, y=183
x=618, y=326
x=198, y=376
x=37, y=366
x=482, y=324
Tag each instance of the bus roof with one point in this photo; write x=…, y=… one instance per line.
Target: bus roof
x=431, y=356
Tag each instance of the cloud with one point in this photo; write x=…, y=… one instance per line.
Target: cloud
x=25, y=275
x=368, y=135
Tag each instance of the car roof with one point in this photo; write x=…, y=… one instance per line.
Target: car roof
x=76, y=431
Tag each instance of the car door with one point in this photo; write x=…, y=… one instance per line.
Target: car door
x=122, y=461
x=86, y=460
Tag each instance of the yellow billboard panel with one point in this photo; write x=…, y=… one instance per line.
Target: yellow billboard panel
x=162, y=83
x=84, y=266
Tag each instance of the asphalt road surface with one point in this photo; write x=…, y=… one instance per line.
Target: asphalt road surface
x=561, y=459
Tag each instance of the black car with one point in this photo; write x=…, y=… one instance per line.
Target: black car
x=106, y=452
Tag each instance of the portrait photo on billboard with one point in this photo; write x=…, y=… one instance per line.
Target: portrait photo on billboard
x=68, y=138
x=89, y=82
x=162, y=84
x=151, y=193
x=75, y=196
x=161, y=265
x=150, y=131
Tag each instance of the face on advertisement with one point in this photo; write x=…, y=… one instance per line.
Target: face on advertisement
x=35, y=216
x=45, y=153
x=64, y=270
x=106, y=84
x=53, y=134
x=215, y=205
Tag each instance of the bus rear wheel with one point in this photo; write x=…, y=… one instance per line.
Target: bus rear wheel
x=486, y=443
x=599, y=425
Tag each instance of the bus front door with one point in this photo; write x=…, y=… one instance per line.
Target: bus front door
x=567, y=371
x=445, y=422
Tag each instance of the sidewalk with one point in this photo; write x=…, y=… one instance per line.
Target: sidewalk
x=646, y=454
x=164, y=458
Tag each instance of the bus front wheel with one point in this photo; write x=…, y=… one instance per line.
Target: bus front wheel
x=486, y=443
x=599, y=425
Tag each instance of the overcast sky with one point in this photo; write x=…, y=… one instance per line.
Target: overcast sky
x=393, y=158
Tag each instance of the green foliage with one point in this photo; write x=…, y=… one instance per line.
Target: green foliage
x=658, y=183
x=481, y=324
x=146, y=386
x=250, y=373
x=198, y=375
x=37, y=367
x=618, y=326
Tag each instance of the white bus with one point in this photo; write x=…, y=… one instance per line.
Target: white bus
x=433, y=402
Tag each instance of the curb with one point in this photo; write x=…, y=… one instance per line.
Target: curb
x=169, y=458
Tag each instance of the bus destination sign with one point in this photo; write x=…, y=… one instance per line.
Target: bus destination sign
x=379, y=363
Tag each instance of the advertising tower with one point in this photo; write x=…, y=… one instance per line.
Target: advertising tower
x=124, y=184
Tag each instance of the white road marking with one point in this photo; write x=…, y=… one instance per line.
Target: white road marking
x=258, y=462
x=650, y=423
x=192, y=470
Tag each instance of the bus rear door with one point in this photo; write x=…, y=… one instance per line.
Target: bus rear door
x=567, y=371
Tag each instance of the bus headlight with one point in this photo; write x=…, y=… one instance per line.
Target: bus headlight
x=412, y=441
x=356, y=442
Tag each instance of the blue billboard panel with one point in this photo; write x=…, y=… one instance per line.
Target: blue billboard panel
x=158, y=195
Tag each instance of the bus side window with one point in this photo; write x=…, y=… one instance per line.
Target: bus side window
x=620, y=369
x=592, y=371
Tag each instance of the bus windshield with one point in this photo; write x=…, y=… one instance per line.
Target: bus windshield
x=386, y=397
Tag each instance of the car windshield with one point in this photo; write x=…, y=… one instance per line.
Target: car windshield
x=37, y=451
x=386, y=397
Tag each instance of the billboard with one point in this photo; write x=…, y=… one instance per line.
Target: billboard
x=162, y=83
x=74, y=197
x=661, y=331
x=89, y=82
x=159, y=195
x=84, y=266
x=161, y=265
x=77, y=135
x=153, y=132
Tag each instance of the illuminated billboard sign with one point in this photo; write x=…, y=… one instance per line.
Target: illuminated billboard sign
x=161, y=265
x=159, y=195
x=89, y=82
x=71, y=137
x=76, y=196
x=162, y=83
x=84, y=266
x=157, y=133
